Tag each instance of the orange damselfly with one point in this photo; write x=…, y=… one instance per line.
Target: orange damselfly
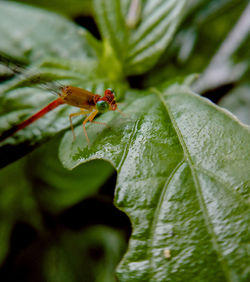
x=90, y=104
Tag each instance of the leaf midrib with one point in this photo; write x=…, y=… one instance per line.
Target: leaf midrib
x=201, y=200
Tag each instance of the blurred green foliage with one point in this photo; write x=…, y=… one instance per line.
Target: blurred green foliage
x=205, y=28
x=70, y=8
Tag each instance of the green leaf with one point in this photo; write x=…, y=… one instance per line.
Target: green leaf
x=138, y=49
x=183, y=180
x=74, y=8
x=35, y=33
x=237, y=101
x=111, y=23
x=223, y=68
x=159, y=21
x=207, y=27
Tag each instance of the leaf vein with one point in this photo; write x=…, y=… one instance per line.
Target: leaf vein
x=229, y=187
x=126, y=150
x=187, y=155
x=158, y=208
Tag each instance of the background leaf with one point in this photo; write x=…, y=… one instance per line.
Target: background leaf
x=207, y=24
x=37, y=34
x=223, y=68
x=72, y=8
x=16, y=203
x=64, y=256
x=95, y=253
x=179, y=185
x=238, y=103
x=138, y=49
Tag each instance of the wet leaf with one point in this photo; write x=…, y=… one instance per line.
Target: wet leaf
x=183, y=179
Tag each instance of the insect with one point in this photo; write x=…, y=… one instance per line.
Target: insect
x=90, y=104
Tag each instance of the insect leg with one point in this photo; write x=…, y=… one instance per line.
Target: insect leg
x=97, y=122
x=82, y=112
x=122, y=113
x=88, y=118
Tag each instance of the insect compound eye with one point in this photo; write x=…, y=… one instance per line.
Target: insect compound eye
x=109, y=91
x=102, y=106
